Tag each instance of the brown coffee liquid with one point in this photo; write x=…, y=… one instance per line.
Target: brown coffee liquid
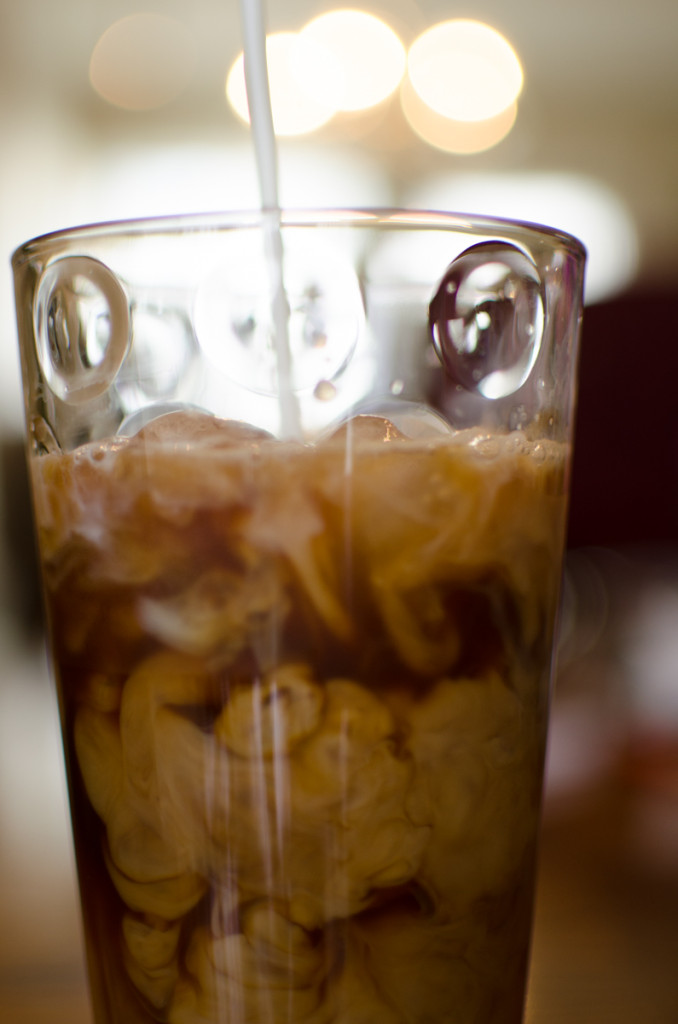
x=304, y=694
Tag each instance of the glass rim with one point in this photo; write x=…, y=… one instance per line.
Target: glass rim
x=394, y=218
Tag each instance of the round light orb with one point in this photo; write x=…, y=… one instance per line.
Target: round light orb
x=304, y=84
x=142, y=62
x=465, y=70
x=448, y=135
x=369, y=52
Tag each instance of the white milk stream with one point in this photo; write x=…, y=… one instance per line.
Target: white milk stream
x=261, y=120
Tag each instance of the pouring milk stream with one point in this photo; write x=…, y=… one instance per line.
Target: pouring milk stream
x=261, y=119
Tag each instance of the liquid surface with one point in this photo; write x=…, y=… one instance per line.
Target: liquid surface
x=304, y=694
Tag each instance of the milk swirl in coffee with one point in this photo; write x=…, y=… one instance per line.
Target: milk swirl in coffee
x=304, y=697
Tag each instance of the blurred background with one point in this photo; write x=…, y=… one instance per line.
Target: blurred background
x=111, y=109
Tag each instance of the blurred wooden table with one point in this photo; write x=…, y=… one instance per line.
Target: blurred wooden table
x=605, y=946
x=606, y=932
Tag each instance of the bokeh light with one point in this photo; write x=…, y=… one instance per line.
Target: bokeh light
x=369, y=52
x=454, y=136
x=142, y=62
x=465, y=70
x=305, y=84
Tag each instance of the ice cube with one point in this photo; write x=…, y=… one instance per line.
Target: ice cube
x=190, y=426
x=394, y=420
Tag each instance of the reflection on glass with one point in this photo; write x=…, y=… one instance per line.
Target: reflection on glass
x=583, y=206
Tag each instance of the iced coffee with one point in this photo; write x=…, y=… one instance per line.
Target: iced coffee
x=304, y=695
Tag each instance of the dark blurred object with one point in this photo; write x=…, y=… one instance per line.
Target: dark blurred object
x=606, y=942
x=617, y=677
x=17, y=545
x=625, y=476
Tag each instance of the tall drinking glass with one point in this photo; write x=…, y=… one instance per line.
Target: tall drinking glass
x=301, y=551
